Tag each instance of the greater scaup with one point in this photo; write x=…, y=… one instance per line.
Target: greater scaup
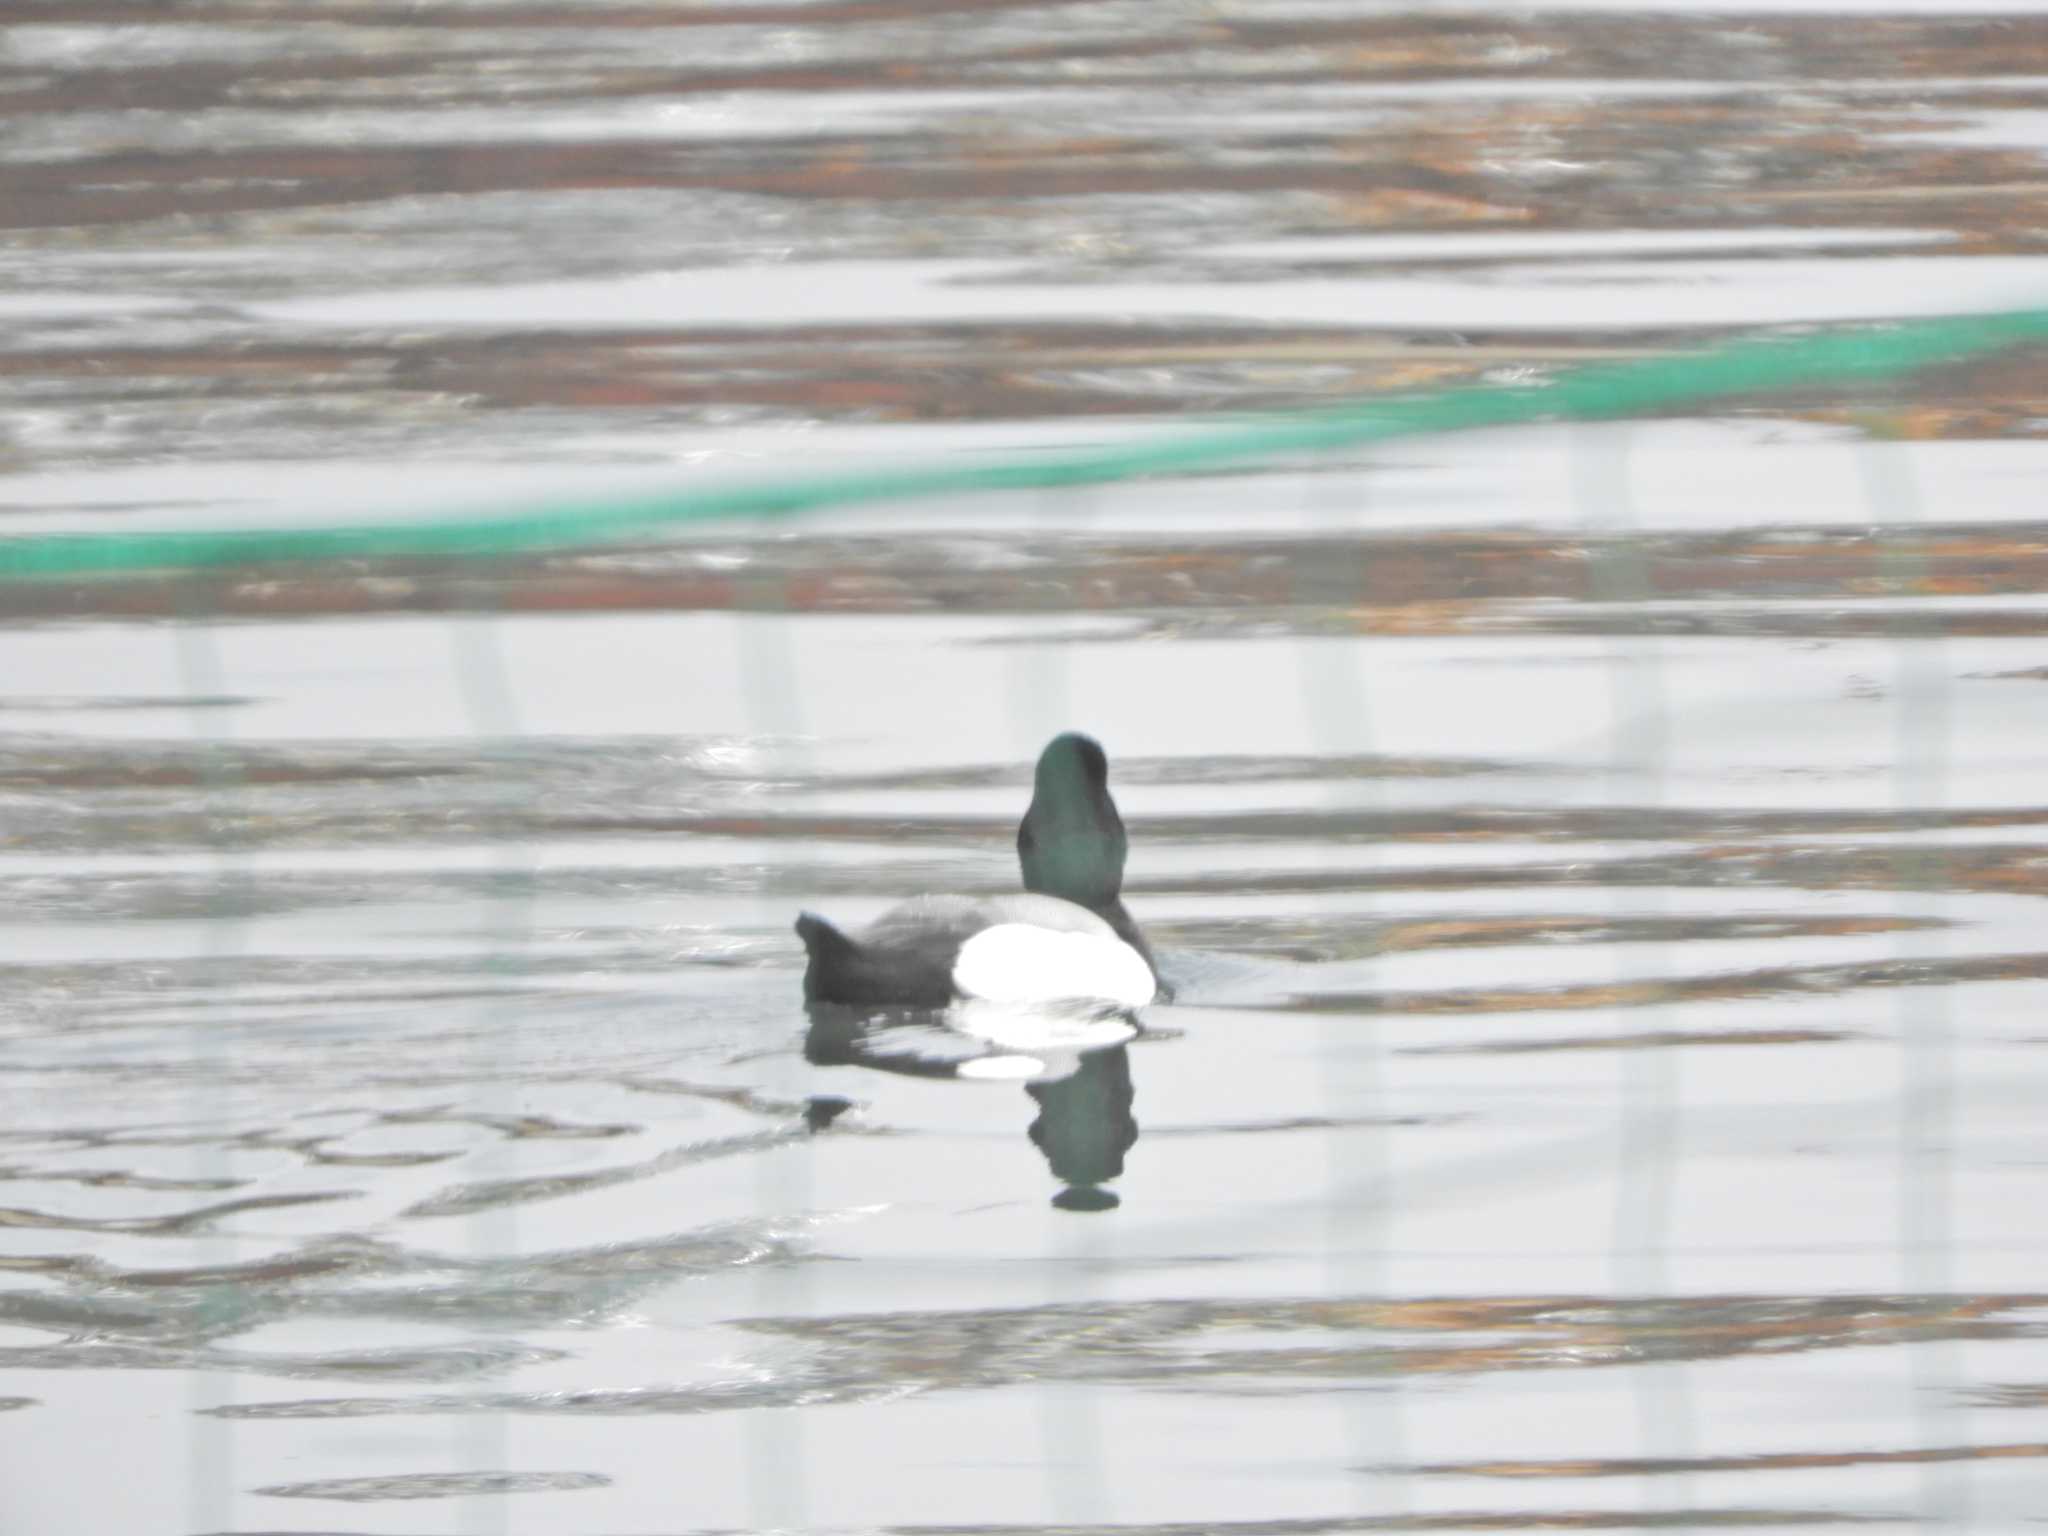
x=1069, y=939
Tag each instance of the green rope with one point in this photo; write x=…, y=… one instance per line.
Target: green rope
x=1593, y=393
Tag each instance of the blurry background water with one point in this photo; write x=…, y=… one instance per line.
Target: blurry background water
x=1600, y=866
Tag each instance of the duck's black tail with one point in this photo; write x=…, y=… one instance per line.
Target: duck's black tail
x=832, y=955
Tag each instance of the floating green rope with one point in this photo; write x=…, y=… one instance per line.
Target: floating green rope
x=1593, y=393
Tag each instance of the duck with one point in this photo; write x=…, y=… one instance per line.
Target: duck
x=1067, y=939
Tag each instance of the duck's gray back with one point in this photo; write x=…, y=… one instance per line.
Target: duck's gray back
x=906, y=956
x=956, y=919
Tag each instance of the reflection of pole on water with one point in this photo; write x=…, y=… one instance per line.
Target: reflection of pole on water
x=1085, y=1126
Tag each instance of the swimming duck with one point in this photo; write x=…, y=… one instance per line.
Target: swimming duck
x=1068, y=939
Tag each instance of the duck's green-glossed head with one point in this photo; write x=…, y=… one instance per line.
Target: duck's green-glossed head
x=1071, y=842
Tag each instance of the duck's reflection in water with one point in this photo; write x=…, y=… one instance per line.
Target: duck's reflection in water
x=1078, y=1072
x=1085, y=1126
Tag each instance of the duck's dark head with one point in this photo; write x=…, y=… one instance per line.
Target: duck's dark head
x=1071, y=842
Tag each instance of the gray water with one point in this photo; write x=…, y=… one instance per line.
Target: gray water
x=1599, y=868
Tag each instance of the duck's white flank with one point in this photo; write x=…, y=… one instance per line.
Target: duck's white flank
x=1023, y=963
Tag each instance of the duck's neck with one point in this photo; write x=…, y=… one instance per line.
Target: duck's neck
x=1118, y=917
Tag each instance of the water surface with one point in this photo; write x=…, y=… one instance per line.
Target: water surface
x=1599, y=868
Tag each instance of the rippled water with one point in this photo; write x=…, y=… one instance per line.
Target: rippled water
x=1600, y=869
